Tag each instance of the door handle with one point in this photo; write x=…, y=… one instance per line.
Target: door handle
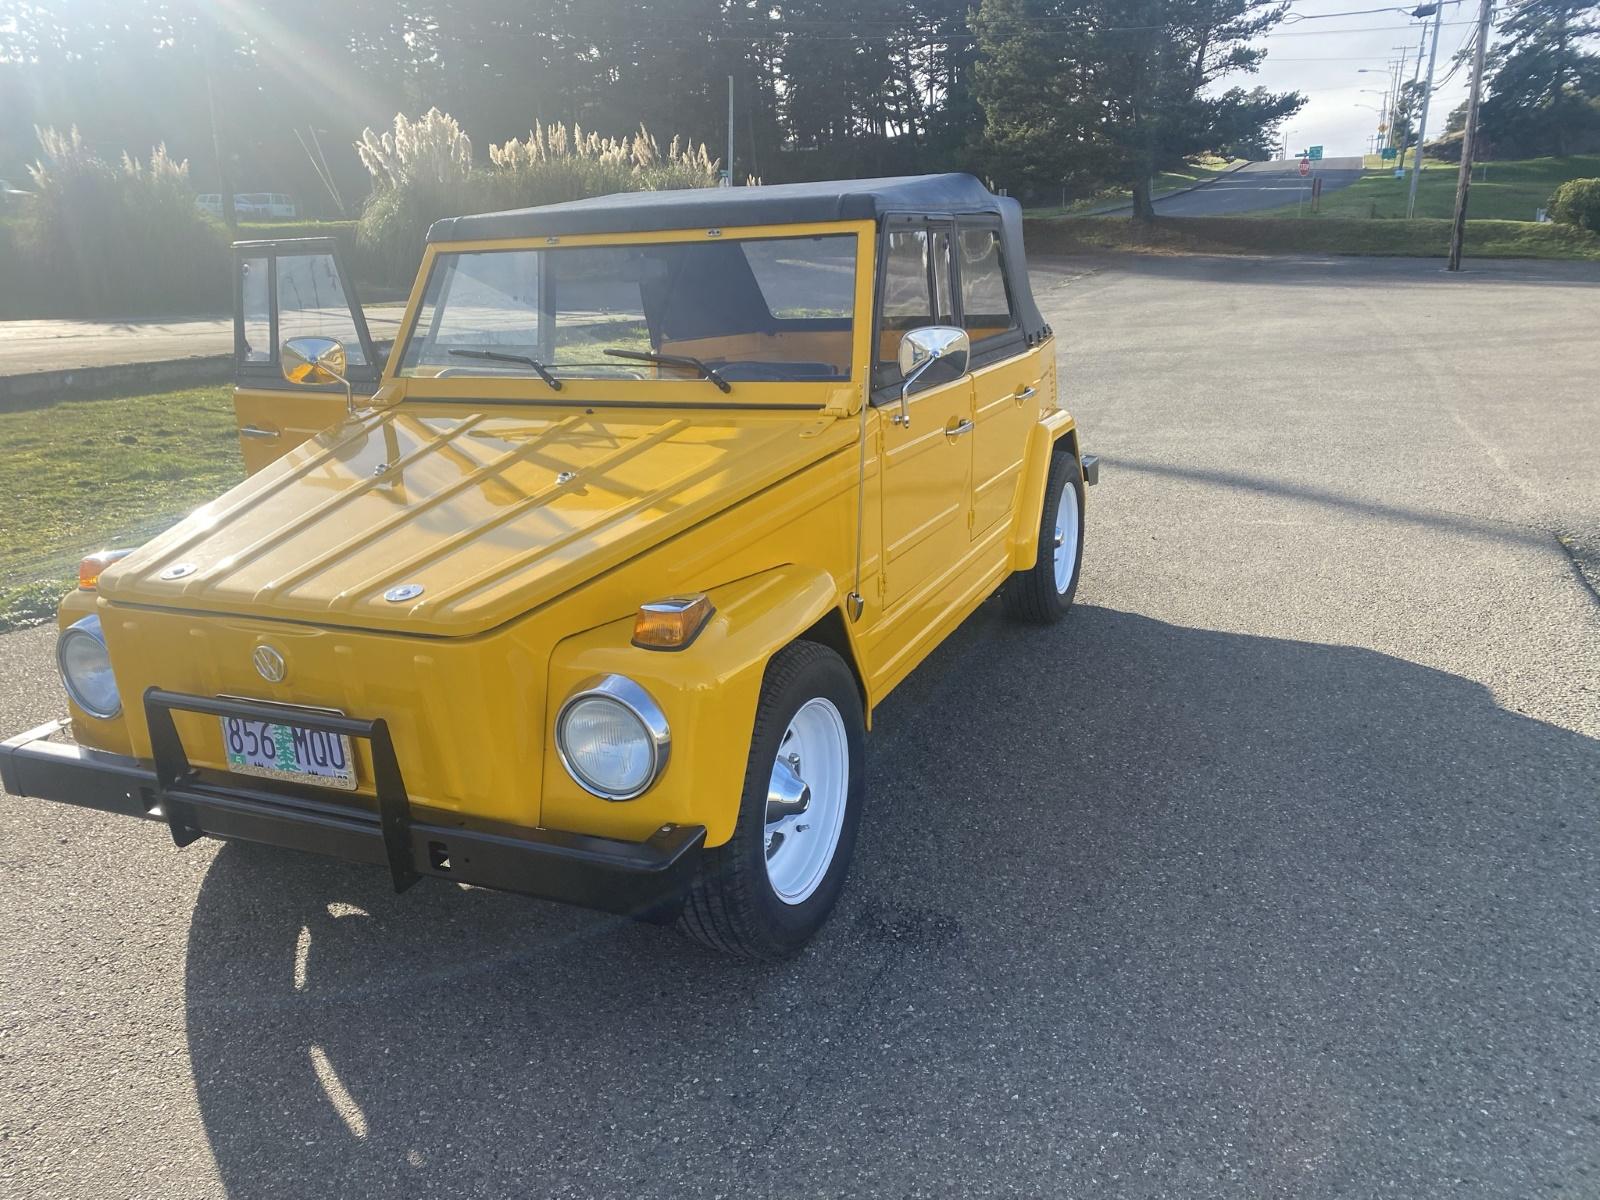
x=265, y=434
x=962, y=426
x=1026, y=393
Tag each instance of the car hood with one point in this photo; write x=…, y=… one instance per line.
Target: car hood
x=449, y=520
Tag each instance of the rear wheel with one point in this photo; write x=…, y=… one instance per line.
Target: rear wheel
x=1043, y=593
x=766, y=891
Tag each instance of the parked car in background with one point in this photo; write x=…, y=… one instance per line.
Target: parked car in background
x=10, y=197
x=273, y=205
x=251, y=206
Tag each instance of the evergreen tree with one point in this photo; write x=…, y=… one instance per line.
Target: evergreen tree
x=1544, y=90
x=1116, y=90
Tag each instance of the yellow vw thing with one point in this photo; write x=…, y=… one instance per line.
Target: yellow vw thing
x=591, y=591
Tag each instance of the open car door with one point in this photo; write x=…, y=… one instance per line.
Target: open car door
x=287, y=289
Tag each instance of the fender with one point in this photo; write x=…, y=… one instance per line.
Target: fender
x=1042, y=439
x=708, y=691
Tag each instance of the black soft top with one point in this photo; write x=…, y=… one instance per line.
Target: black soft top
x=953, y=194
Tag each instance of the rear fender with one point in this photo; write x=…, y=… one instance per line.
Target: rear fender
x=1051, y=429
x=708, y=692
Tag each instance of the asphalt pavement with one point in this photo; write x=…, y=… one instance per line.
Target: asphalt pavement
x=27, y=347
x=1260, y=185
x=1272, y=871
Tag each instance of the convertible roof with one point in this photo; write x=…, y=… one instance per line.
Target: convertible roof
x=779, y=204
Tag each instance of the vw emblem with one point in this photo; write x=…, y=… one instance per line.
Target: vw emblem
x=269, y=664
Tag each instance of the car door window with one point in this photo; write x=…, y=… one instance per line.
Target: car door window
x=985, y=303
x=918, y=289
x=296, y=288
x=312, y=303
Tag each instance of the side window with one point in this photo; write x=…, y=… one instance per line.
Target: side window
x=311, y=303
x=985, y=304
x=257, y=309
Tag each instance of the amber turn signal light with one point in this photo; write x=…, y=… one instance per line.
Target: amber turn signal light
x=89, y=569
x=671, y=624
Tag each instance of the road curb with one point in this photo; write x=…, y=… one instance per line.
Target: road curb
x=46, y=387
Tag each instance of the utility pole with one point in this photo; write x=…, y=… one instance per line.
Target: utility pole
x=1422, y=121
x=1468, y=136
x=230, y=215
x=730, y=130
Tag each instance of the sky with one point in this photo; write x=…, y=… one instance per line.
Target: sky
x=1320, y=54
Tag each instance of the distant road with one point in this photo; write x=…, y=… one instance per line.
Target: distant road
x=1259, y=185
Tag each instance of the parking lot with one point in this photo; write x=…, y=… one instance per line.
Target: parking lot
x=1273, y=871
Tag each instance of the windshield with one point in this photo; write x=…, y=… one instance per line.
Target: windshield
x=772, y=309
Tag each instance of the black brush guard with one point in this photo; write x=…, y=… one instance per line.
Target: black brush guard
x=643, y=879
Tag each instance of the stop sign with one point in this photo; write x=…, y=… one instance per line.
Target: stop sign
x=1305, y=166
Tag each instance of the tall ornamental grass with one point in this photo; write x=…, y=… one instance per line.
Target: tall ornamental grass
x=422, y=171
x=98, y=238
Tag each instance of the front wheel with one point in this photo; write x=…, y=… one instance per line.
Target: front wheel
x=766, y=891
x=1043, y=593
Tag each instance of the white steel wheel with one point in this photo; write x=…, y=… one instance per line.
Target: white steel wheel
x=766, y=891
x=806, y=798
x=1066, y=536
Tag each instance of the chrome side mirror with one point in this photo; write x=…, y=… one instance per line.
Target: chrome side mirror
x=316, y=362
x=920, y=349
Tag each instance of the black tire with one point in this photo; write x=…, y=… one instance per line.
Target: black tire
x=732, y=905
x=1032, y=595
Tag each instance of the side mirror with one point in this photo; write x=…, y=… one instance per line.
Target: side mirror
x=920, y=349
x=316, y=362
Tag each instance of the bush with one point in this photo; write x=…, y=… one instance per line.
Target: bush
x=98, y=238
x=422, y=171
x=1577, y=202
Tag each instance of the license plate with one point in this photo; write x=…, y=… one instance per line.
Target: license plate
x=292, y=752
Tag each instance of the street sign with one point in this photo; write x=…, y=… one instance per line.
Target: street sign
x=1305, y=167
x=1314, y=154
x=1390, y=152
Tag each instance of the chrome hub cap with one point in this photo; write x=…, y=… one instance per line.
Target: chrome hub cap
x=1066, y=537
x=806, y=797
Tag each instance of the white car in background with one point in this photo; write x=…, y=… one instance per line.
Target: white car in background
x=251, y=206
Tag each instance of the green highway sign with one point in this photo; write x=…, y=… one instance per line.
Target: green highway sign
x=1390, y=152
x=1314, y=154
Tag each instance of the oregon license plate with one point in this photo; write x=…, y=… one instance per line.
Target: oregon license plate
x=279, y=751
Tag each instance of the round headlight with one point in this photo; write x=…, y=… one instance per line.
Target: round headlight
x=86, y=669
x=612, y=738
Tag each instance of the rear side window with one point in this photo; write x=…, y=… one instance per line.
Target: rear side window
x=985, y=303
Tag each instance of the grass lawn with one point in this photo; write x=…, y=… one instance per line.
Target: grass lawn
x=1506, y=191
x=1168, y=181
x=86, y=475
x=1327, y=235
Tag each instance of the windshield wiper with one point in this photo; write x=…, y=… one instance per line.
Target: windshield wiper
x=497, y=356
x=675, y=360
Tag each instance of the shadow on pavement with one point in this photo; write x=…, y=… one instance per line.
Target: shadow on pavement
x=1137, y=908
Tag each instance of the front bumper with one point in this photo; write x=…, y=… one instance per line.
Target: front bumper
x=645, y=879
